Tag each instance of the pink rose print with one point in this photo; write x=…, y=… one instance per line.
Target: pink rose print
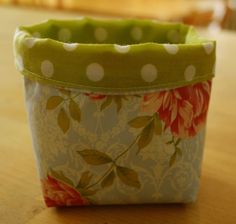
x=94, y=96
x=57, y=193
x=183, y=110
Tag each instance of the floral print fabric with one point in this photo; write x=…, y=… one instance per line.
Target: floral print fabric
x=57, y=193
x=183, y=110
x=118, y=149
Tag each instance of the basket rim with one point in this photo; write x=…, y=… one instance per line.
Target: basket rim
x=47, y=52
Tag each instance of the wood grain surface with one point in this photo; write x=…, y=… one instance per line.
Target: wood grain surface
x=20, y=193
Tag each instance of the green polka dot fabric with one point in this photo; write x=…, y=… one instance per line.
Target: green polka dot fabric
x=113, y=56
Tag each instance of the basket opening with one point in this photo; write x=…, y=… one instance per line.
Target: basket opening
x=121, y=32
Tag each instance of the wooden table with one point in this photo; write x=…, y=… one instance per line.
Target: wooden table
x=20, y=193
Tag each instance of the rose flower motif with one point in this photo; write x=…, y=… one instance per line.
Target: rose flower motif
x=94, y=96
x=183, y=110
x=57, y=193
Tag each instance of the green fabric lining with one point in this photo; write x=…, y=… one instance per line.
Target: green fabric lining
x=114, y=56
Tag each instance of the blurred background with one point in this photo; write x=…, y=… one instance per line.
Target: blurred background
x=214, y=14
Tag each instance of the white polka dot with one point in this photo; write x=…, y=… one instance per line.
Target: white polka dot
x=19, y=63
x=36, y=34
x=189, y=73
x=136, y=33
x=100, y=34
x=64, y=35
x=155, y=21
x=70, y=47
x=29, y=42
x=80, y=18
x=173, y=36
x=122, y=48
x=171, y=48
x=47, y=68
x=208, y=47
x=95, y=72
x=149, y=72
x=18, y=33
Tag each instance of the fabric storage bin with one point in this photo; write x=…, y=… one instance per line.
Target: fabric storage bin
x=117, y=108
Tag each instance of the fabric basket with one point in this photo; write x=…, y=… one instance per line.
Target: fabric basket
x=117, y=109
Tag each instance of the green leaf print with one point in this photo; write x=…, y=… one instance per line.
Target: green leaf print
x=146, y=136
x=177, y=152
x=177, y=142
x=61, y=176
x=128, y=176
x=106, y=103
x=115, y=99
x=88, y=192
x=53, y=102
x=118, y=102
x=108, y=180
x=84, y=179
x=65, y=92
x=63, y=120
x=94, y=157
x=74, y=110
x=140, y=122
x=157, y=125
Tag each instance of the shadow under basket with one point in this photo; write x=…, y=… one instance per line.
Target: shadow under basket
x=117, y=109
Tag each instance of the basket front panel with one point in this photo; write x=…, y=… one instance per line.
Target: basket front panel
x=104, y=149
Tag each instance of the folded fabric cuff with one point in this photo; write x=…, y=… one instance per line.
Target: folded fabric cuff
x=113, y=56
